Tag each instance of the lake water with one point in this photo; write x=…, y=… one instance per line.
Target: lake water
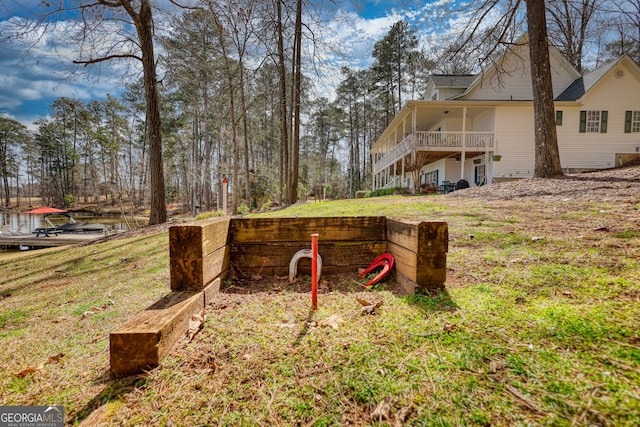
x=30, y=222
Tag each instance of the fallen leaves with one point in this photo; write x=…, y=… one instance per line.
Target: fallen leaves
x=26, y=372
x=56, y=358
x=196, y=323
x=93, y=310
x=367, y=306
x=384, y=411
x=289, y=322
x=32, y=370
x=334, y=321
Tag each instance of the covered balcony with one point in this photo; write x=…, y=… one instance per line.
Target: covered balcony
x=425, y=132
x=439, y=145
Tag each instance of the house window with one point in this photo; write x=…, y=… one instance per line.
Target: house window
x=559, y=118
x=431, y=177
x=632, y=122
x=593, y=121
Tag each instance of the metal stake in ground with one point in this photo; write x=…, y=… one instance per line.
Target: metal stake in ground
x=314, y=271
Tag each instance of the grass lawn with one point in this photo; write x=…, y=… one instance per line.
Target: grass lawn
x=538, y=326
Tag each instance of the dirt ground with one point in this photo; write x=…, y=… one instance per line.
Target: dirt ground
x=603, y=185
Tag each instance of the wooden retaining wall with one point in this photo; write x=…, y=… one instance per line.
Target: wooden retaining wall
x=265, y=246
x=203, y=253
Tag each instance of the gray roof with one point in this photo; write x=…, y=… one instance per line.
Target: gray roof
x=573, y=92
x=452, y=80
x=582, y=84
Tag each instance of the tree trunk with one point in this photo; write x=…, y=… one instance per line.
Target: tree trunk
x=245, y=136
x=3, y=168
x=144, y=26
x=282, y=77
x=297, y=78
x=547, y=155
x=207, y=150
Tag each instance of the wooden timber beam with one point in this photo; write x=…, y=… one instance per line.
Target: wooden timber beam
x=420, y=250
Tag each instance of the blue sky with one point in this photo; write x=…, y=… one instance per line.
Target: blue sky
x=30, y=83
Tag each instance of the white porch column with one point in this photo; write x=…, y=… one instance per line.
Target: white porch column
x=414, y=114
x=403, y=175
x=488, y=164
x=489, y=172
x=395, y=171
x=464, y=141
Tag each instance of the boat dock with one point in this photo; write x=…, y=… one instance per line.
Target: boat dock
x=30, y=241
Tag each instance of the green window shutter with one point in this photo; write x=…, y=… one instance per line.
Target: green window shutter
x=583, y=121
x=559, y=118
x=603, y=121
x=627, y=122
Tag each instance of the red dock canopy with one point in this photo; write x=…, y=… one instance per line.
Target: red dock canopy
x=46, y=210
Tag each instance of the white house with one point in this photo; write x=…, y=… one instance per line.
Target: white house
x=481, y=128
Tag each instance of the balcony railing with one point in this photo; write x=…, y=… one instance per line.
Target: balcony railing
x=436, y=141
x=399, y=151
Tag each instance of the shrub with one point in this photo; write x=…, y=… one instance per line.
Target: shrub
x=210, y=214
x=387, y=192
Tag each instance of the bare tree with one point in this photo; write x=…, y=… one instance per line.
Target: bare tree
x=626, y=25
x=570, y=23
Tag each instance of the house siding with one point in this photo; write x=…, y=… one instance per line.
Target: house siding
x=515, y=130
x=484, y=122
x=598, y=150
x=512, y=80
x=514, y=141
x=446, y=93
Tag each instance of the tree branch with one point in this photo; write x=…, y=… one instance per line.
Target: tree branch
x=107, y=58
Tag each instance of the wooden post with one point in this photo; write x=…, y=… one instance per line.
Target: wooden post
x=225, y=192
x=314, y=271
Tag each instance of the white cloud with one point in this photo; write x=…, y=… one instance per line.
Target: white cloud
x=37, y=67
